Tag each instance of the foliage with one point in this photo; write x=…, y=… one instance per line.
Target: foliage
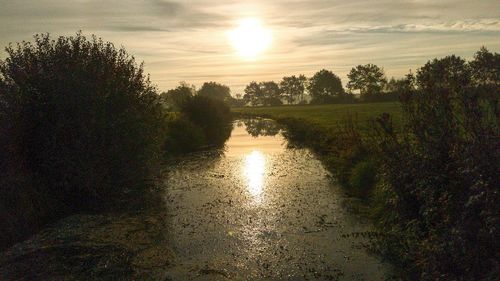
x=448, y=74
x=79, y=122
x=369, y=79
x=212, y=116
x=394, y=88
x=263, y=93
x=174, y=99
x=215, y=90
x=442, y=177
x=433, y=184
x=485, y=71
x=183, y=136
x=326, y=87
x=293, y=87
x=362, y=178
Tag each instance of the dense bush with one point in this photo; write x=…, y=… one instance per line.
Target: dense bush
x=440, y=178
x=79, y=122
x=211, y=115
x=362, y=178
x=183, y=136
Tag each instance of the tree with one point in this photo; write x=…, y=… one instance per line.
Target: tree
x=262, y=93
x=485, y=70
x=271, y=93
x=253, y=93
x=293, y=87
x=450, y=74
x=396, y=87
x=215, y=90
x=175, y=98
x=325, y=87
x=369, y=79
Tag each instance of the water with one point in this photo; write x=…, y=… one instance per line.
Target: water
x=262, y=211
x=255, y=211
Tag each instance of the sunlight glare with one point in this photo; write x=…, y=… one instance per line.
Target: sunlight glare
x=250, y=38
x=254, y=172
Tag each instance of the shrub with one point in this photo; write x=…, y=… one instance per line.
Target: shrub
x=79, y=122
x=362, y=178
x=183, y=136
x=442, y=176
x=212, y=116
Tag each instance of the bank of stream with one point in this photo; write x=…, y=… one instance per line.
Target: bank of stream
x=256, y=210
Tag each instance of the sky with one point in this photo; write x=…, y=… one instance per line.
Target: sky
x=187, y=40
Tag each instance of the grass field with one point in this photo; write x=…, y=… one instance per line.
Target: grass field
x=327, y=116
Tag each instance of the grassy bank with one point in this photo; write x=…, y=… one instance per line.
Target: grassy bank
x=326, y=116
x=429, y=183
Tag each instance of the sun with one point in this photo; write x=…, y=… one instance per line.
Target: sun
x=250, y=38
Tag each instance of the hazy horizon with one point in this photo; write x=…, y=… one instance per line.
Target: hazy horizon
x=188, y=40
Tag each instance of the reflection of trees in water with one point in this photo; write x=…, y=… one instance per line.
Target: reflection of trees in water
x=261, y=127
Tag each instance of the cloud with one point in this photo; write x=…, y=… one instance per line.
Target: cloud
x=185, y=40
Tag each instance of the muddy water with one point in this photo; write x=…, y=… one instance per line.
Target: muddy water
x=262, y=211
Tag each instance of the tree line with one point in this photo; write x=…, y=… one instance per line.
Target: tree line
x=367, y=83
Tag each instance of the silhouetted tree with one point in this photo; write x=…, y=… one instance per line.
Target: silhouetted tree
x=263, y=93
x=369, y=79
x=394, y=88
x=271, y=92
x=215, y=90
x=485, y=70
x=253, y=94
x=450, y=74
x=175, y=98
x=293, y=87
x=325, y=87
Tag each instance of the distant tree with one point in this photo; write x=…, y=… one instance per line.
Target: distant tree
x=175, y=98
x=485, y=70
x=325, y=87
x=215, y=90
x=271, y=92
x=293, y=87
x=253, y=93
x=450, y=73
x=263, y=93
x=369, y=79
x=396, y=87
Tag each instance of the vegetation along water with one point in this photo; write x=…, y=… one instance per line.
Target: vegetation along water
x=103, y=177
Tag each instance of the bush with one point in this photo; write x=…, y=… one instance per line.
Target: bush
x=212, y=116
x=362, y=178
x=79, y=122
x=183, y=136
x=441, y=175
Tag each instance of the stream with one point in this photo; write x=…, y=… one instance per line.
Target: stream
x=258, y=209
x=263, y=211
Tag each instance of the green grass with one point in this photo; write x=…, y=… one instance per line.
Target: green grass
x=327, y=116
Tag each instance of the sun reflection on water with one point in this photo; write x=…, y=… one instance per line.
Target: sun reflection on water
x=254, y=169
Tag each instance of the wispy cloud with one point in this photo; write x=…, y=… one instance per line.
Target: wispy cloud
x=186, y=40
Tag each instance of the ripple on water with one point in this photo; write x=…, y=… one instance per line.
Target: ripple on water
x=262, y=211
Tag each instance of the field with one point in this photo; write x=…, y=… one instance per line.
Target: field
x=327, y=116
